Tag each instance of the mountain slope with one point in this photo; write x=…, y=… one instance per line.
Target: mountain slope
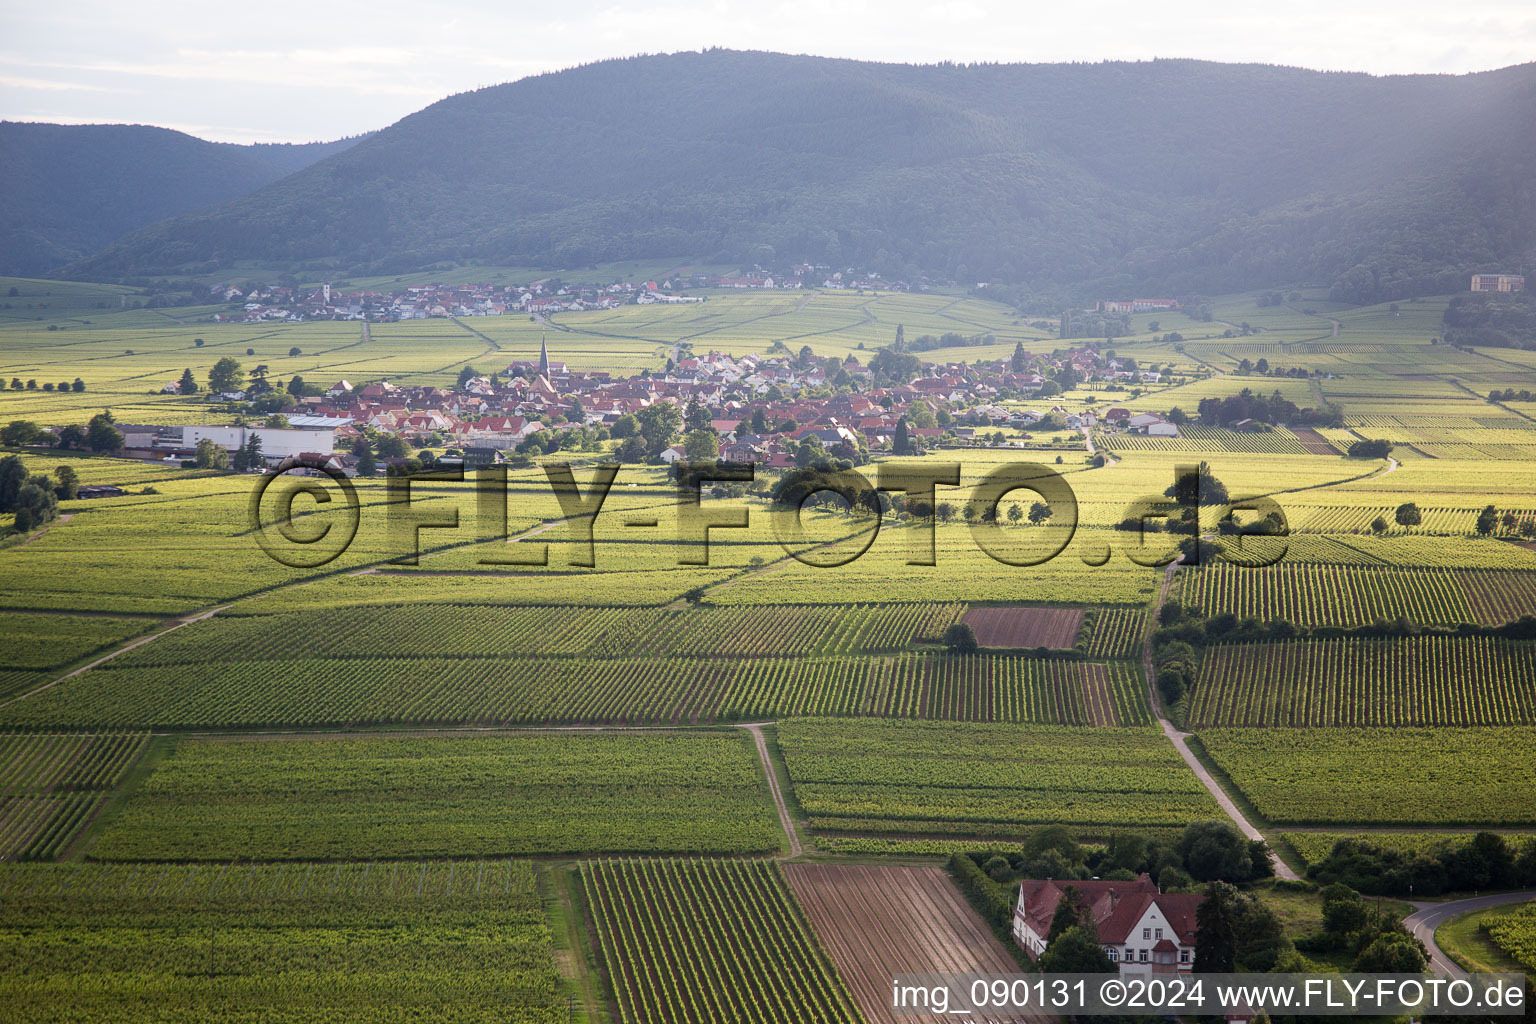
x=71, y=190
x=1181, y=175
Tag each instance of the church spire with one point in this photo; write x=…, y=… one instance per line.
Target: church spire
x=544, y=355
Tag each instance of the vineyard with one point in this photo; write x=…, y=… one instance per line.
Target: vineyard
x=305, y=799
x=51, y=786
x=1116, y=632
x=1209, y=439
x=704, y=941
x=1515, y=932
x=1322, y=595
x=459, y=631
x=984, y=780
x=1428, y=680
x=1314, y=846
x=317, y=691
x=228, y=943
x=1403, y=777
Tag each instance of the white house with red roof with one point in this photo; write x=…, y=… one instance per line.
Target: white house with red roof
x=1142, y=930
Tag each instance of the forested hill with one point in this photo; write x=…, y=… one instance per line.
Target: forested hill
x=70, y=190
x=1170, y=176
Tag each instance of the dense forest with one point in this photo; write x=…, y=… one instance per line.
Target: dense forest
x=1168, y=176
x=71, y=190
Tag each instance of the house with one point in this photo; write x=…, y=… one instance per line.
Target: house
x=672, y=454
x=1143, y=930
x=1498, y=283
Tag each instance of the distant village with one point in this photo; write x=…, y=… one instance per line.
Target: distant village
x=549, y=295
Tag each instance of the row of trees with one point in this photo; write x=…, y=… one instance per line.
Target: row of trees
x=99, y=435
x=31, y=385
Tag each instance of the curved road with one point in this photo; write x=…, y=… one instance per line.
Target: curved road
x=1423, y=922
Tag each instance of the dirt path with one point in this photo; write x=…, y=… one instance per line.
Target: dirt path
x=1336, y=326
x=140, y=642
x=756, y=729
x=1180, y=740
x=59, y=521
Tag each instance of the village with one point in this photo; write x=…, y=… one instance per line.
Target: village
x=776, y=411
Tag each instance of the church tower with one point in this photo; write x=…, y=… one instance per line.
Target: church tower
x=543, y=355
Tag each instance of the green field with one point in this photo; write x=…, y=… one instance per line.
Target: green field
x=329, y=798
x=981, y=780
x=303, y=942
x=1422, y=777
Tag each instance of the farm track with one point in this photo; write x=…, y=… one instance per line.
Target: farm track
x=761, y=742
x=876, y=920
x=186, y=620
x=1180, y=740
x=60, y=521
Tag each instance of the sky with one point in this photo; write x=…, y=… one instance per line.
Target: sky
x=290, y=71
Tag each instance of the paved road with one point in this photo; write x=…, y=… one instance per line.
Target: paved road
x=1430, y=916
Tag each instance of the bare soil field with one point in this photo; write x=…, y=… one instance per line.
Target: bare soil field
x=1019, y=626
x=1314, y=442
x=876, y=921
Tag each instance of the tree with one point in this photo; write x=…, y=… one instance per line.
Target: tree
x=1408, y=514
x=13, y=473
x=367, y=465
x=276, y=421
x=659, y=423
x=210, y=455
x=1019, y=362
x=1487, y=520
x=188, y=383
x=1394, y=952
x=960, y=638
x=1015, y=513
x=1213, y=850
x=625, y=426
x=72, y=437
x=1215, y=936
x=701, y=446
x=101, y=435
x=391, y=446
x=24, y=432
x=296, y=386
x=466, y=375
x=1200, y=488
x=1070, y=913
x=946, y=511
x=226, y=375
x=1379, y=525
x=68, y=487
x=253, y=457
x=901, y=444
x=295, y=351
x=36, y=501
x=1077, y=951
x=1039, y=512
x=697, y=415
x=1376, y=449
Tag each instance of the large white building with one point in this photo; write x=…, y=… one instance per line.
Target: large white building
x=303, y=434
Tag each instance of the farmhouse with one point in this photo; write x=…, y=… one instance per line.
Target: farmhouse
x=1142, y=930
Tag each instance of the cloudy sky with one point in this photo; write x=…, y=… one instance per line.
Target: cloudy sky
x=301, y=71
